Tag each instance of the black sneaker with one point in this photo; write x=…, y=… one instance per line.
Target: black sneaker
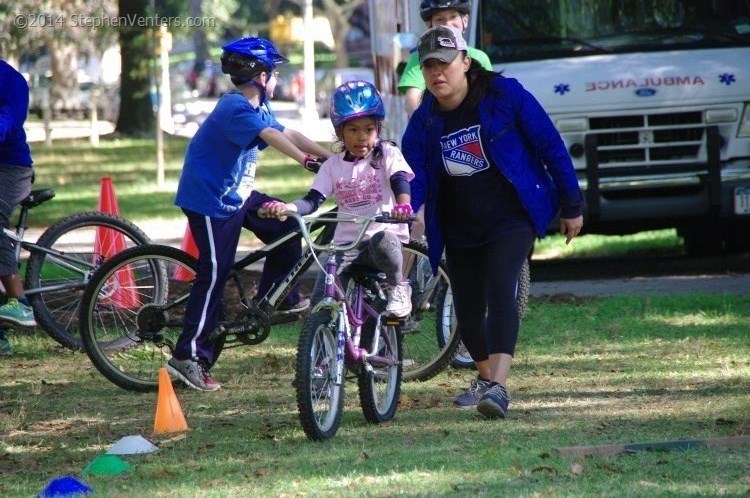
x=193, y=373
x=470, y=398
x=494, y=402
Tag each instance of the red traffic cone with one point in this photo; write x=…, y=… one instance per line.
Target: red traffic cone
x=109, y=242
x=169, y=417
x=188, y=245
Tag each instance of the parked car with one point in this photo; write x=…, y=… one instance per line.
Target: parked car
x=328, y=80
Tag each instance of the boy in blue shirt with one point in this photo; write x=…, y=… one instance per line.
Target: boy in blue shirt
x=16, y=176
x=216, y=192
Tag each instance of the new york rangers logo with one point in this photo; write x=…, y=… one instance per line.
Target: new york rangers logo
x=463, y=154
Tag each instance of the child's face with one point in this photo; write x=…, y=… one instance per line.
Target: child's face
x=448, y=17
x=360, y=135
x=272, y=78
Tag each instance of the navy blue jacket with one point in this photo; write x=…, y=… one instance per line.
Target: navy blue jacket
x=522, y=141
x=14, y=106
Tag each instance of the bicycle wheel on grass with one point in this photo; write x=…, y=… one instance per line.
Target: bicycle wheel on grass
x=447, y=318
x=320, y=401
x=55, y=279
x=424, y=356
x=380, y=389
x=132, y=314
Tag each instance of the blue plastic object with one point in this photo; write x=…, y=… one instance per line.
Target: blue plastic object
x=65, y=486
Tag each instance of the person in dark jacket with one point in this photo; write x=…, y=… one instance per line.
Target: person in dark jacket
x=491, y=173
x=16, y=176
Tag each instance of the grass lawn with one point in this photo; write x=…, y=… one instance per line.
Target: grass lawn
x=588, y=371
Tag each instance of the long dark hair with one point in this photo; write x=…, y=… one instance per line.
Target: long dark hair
x=480, y=82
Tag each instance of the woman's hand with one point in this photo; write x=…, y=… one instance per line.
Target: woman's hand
x=571, y=227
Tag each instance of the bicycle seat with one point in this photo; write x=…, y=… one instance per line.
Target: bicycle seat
x=37, y=197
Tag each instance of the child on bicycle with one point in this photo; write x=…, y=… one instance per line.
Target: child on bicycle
x=16, y=177
x=216, y=193
x=368, y=177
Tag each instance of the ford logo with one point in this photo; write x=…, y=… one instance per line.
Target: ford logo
x=645, y=92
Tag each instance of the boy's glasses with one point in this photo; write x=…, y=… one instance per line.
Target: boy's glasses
x=275, y=74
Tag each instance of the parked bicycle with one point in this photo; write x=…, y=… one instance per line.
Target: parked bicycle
x=63, y=259
x=133, y=308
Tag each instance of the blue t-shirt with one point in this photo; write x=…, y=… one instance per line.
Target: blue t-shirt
x=14, y=106
x=218, y=174
x=477, y=203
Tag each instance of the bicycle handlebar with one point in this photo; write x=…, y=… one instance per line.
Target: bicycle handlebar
x=303, y=221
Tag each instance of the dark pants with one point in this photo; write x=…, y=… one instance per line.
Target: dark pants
x=217, y=239
x=484, y=280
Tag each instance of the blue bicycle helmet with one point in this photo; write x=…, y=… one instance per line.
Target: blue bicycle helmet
x=353, y=100
x=247, y=57
x=429, y=7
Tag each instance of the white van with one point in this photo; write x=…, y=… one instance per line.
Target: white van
x=652, y=99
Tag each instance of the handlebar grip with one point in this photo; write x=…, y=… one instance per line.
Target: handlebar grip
x=386, y=217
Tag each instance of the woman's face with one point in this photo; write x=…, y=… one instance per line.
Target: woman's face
x=447, y=81
x=359, y=135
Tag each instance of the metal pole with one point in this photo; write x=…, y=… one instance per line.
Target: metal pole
x=309, y=111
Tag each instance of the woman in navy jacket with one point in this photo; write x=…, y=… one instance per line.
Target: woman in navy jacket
x=491, y=174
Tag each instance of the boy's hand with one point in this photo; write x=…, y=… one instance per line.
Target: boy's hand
x=313, y=163
x=272, y=209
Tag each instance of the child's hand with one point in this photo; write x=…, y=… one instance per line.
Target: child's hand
x=272, y=209
x=313, y=163
x=402, y=212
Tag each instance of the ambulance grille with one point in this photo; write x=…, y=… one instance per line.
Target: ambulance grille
x=651, y=139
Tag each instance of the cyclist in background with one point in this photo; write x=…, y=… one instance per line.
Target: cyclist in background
x=216, y=193
x=453, y=13
x=368, y=177
x=16, y=177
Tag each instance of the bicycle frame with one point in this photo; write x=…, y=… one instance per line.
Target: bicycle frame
x=71, y=263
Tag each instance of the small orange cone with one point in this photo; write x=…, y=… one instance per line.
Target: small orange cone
x=169, y=417
x=189, y=246
x=109, y=242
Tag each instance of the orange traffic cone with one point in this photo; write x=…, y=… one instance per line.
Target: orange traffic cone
x=189, y=246
x=169, y=417
x=109, y=242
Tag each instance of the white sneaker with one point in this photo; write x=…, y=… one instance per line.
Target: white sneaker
x=399, y=300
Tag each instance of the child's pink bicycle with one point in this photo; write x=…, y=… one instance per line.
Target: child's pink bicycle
x=347, y=331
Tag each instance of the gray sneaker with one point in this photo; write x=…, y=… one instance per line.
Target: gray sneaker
x=494, y=403
x=16, y=313
x=470, y=398
x=193, y=373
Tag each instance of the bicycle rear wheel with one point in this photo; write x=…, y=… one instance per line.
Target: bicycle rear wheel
x=132, y=313
x=424, y=356
x=380, y=389
x=56, y=276
x=320, y=401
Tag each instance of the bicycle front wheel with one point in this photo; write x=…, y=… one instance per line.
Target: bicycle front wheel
x=132, y=313
x=424, y=355
x=320, y=401
x=56, y=274
x=380, y=388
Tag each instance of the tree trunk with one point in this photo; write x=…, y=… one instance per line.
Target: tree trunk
x=200, y=43
x=136, y=117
